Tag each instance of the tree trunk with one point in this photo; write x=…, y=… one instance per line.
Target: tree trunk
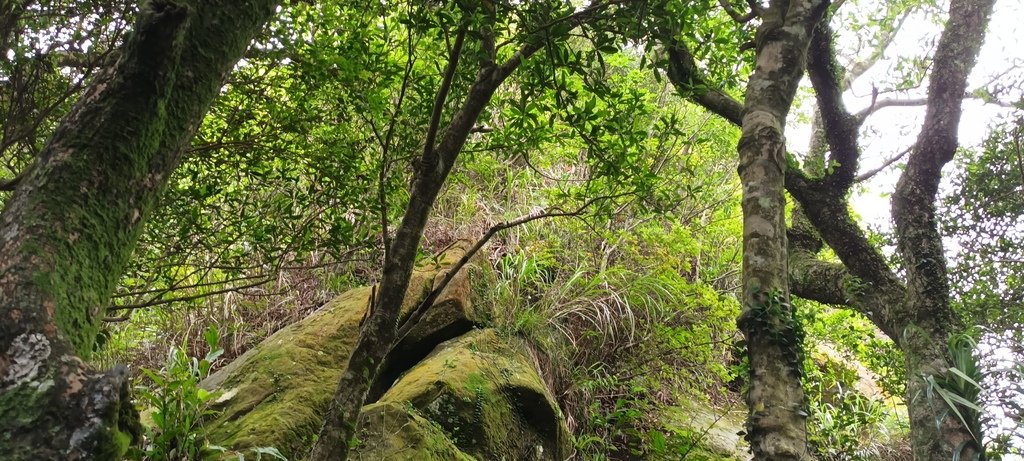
x=68, y=230
x=776, y=424
x=915, y=311
x=938, y=433
x=379, y=332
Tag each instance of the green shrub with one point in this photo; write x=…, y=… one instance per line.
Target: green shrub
x=176, y=405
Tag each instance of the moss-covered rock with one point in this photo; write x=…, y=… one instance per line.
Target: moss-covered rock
x=705, y=433
x=486, y=394
x=399, y=433
x=452, y=314
x=477, y=396
x=277, y=393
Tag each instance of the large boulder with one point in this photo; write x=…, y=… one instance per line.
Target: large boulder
x=277, y=393
x=452, y=314
x=484, y=391
x=448, y=391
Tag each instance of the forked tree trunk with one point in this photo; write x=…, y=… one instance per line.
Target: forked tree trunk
x=914, y=311
x=379, y=332
x=68, y=230
x=776, y=423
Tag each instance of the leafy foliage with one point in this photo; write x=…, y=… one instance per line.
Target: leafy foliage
x=981, y=213
x=301, y=167
x=854, y=385
x=177, y=405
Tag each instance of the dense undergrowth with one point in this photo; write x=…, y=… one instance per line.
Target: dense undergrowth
x=629, y=305
x=628, y=313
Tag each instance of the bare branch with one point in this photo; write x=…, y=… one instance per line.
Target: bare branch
x=871, y=173
x=158, y=302
x=918, y=239
x=875, y=106
x=385, y=161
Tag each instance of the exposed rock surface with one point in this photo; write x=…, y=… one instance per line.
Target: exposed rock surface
x=485, y=393
x=713, y=434
x=475, y=396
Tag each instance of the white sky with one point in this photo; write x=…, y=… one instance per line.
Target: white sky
x=891, y=130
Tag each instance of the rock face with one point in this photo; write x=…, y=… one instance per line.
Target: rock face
x=485, y=394
x=447, y=392
x=711, y=434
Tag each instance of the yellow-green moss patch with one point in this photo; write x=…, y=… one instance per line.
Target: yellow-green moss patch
x=397, y=433
x=487, y=396
x=280, y=389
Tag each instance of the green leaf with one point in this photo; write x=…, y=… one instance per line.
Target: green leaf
x=270, y=451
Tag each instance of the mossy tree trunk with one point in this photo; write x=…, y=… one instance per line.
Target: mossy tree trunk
x=69, y=228
x=913, y=309
x=919, y=243
x=776, y=422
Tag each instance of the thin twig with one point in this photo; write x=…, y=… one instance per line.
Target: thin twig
x=869, y=174
x=158, y=302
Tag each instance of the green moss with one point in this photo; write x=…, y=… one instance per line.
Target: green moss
x=487, y=396
x=21, y=406
x=397, y=432
x=475, y=397
x=276, y=394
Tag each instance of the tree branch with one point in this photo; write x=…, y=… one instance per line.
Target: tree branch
x=875, y=106
x=913, y=202
x=428, y=301
x=871, y=173
x=687, y=78
x=534, y=40
x=735, y=15
x=442, y=92
x=157, y=301
x=830, y=283
x=8, y=185
x=860, y=67
x=839, y=127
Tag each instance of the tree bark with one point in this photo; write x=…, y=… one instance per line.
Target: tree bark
x=68, y=230
x=914, y=311
x=776, y=423
x=938, y=432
